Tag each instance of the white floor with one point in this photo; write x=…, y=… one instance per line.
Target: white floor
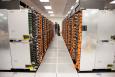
x=57, y=63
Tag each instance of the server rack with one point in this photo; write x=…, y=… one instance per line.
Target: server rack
x=28, y=39
x=88, y=38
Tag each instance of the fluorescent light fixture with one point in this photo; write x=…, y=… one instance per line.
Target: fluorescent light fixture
x=44, y=0
x=77, y=1
x=47, y=7
x=1, y=14
x=112, y=2
x=72, y=7
x=52, y=15
x=50, y=12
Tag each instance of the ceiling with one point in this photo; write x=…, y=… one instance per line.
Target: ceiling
x=59, y=7
x=97, y=4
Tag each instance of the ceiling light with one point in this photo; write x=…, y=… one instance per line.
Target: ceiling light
x=1, y=14
x=44, y=0
x=52, y=15
x=112, y=2
x=77, y=1
x=47, y=7
x=72, y=7
x=50, y=12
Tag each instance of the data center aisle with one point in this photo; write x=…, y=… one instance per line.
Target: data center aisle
x=57, y=61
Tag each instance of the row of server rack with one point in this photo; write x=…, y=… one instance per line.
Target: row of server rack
x=90, y=38
x=25, y=36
